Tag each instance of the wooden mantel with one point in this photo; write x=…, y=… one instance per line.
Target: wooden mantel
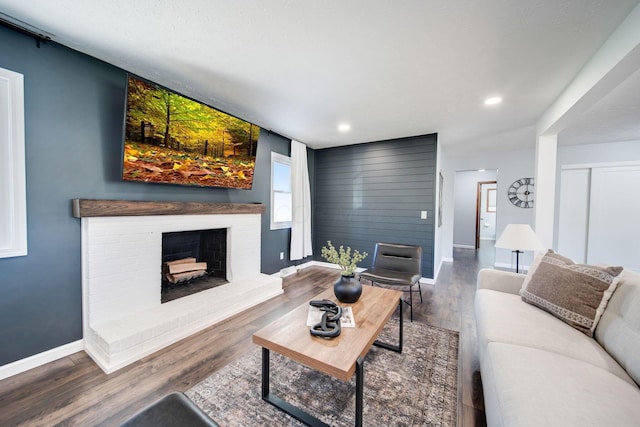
x=83, y=208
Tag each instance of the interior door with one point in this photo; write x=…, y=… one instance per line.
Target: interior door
x=614, y=228
x=573, y=220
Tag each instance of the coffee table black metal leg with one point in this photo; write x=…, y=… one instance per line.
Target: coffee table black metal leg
x=286, y=407
x=401, y=330
x=359, y=390
x=265, y=373
x=396, y=348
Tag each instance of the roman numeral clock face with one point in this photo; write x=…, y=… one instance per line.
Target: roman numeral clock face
x=521, y=192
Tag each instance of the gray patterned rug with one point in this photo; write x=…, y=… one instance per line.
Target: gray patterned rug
x=415, y=388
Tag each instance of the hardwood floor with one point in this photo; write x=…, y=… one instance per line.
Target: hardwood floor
x=73, y=391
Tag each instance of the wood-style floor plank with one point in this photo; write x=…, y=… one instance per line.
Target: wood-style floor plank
x=73, y=391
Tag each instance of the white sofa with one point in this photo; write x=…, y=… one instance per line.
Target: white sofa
x=538, y=371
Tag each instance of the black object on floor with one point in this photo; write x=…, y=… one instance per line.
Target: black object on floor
x=174, y=409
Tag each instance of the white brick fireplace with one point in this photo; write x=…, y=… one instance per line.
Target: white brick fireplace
x=121, y=276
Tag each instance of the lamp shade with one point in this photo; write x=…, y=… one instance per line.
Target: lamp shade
x=519, y=237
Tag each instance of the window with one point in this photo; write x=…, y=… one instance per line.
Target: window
x=13, y=207
x=280, y=191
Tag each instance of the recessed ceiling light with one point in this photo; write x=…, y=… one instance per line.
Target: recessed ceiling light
x=493, y=100
x=344, y=127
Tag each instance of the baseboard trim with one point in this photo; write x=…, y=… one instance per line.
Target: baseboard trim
x=288, y=271
x=464, y=246
x=504, y=266
x=292, y=269
x=40, y=359
x=437, y=272
x=328, y=264
x=305, y=265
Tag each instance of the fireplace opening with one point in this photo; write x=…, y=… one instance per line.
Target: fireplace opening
x=193, y=261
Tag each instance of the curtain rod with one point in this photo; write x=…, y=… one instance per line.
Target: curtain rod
x=39, y=37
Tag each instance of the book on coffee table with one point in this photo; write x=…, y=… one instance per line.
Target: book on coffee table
x=346, y=320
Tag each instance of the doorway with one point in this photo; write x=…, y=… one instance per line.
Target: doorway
x=486, y=208
x=469, y=230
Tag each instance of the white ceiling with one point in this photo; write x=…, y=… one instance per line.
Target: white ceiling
x=389, y=68
x=614, y=118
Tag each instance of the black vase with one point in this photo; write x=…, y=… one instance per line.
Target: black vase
x=347, y=289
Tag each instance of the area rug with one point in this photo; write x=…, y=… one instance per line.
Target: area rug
x=415, y=388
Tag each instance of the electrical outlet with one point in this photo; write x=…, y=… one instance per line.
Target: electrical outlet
x=423, y=214
x=281, y=255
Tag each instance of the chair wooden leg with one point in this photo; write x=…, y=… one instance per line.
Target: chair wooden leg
x=420, y=290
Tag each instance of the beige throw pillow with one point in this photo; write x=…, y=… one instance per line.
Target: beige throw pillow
x=537, y=259
x=575, y=293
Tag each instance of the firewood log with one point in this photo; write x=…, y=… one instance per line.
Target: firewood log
x=192, y=266
x=182, y=277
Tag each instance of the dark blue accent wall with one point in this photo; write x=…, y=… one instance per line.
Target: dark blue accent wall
x=74, y=107
x=375, y=192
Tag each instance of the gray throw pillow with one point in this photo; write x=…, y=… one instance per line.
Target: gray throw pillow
x=575, y=293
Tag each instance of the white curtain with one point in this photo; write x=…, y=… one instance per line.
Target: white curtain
x=301, y=203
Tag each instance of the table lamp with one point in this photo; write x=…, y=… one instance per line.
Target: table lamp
x=519, y=238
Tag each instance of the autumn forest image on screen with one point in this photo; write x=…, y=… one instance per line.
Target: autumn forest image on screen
x=173, y=139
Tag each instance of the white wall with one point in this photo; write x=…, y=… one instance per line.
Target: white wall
x=464, y=211
x=437, y=241
x=598, y=153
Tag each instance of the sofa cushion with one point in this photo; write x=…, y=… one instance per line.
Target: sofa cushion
x=503, y=317
x=525, y=386
x=619, y=328
x=575, y=293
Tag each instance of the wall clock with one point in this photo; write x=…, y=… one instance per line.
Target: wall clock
x=521, y=192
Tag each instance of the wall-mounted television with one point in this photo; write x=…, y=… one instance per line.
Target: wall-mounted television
x=172, y=139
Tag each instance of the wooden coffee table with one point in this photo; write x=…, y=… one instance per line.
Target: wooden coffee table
x=339, y=357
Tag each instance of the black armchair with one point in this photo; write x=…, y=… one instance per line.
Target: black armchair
x=396, y=265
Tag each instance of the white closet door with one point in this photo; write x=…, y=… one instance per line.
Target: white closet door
x=614, y=223
x=573, y=221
